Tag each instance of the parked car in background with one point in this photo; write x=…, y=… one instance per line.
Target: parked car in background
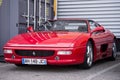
x=62, y=42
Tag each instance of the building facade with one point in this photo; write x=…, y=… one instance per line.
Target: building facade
x=105, y=12
x=14, y=16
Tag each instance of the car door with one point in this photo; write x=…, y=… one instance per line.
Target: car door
x=99, y=36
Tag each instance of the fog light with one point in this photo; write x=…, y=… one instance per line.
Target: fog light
x=13, y=57
x=57, y=58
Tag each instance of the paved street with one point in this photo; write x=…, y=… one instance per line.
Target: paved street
x=102, y=70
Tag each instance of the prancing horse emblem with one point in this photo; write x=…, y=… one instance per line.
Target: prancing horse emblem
x=33, y=53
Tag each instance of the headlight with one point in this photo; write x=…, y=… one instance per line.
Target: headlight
x=64, y=52
x=8, y=51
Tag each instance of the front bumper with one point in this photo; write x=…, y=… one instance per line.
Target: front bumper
x=49, y=62
x=77, y=57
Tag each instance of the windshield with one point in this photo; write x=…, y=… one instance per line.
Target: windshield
x=67, y=25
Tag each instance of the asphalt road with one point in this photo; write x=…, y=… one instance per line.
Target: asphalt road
x=101, y=70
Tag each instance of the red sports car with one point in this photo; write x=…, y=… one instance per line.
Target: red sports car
x=62, y=42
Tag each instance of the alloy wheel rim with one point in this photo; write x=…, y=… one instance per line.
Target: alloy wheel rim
x=89, y=55
x=114, y=50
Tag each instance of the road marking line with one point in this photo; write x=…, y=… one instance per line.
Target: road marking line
x=103, y=71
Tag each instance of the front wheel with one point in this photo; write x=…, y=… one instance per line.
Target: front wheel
x=88, y=56
x=114, y=50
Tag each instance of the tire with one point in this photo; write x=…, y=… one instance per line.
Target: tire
x=114, y=50
x=88, y=56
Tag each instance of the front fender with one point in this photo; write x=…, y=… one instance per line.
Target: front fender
x=81, y=41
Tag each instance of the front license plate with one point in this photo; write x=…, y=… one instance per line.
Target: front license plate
x=34, y=61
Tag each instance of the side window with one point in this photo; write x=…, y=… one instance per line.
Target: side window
x=92, y=25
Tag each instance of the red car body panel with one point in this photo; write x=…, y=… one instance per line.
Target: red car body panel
x=29, y=41
x=59, y=41
x=54, y=39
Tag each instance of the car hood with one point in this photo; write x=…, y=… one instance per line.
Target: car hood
x=45, y=39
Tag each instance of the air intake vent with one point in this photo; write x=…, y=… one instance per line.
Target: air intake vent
x=36, y=53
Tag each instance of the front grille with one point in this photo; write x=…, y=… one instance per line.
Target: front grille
x=36, y=53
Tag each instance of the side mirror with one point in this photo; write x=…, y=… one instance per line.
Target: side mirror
x=98, y=29
x=30, y=29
